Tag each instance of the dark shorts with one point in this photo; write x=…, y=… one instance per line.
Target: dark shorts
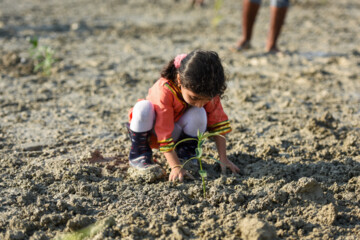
x=275, y=3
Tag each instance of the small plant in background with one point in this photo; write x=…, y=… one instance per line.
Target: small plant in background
x=89, y=231
x=201, y=137
x=217, y=6
x=42, y=55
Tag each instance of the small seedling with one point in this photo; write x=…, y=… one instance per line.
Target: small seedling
x=217, y=6
x=201, y=137
x=42, y=55
x=89, y=231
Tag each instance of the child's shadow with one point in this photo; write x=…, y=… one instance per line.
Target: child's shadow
x=214, y=169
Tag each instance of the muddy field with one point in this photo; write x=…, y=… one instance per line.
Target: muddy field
x=295, y=119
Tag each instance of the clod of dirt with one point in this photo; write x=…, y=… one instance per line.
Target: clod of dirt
x=109, y=163
x=270, y=151
x=323, y=125
x=149, y=175
x=179, y=232
x=327, y=215
x=252, y=228
x=79, y=222
x=305, y=188
x=33, y=146
x=14, y=235
x=10, y=59
x=13, y=64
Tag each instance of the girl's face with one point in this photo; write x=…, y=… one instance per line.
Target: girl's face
x=194, y=99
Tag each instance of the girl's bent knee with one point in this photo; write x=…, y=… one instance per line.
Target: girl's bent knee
x=143, y=116
x=196, y=119
x=199, y=114
x=143, y=110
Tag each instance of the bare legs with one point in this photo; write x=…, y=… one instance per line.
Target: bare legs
x=276, y=22
x=250, y=11
x=277, y=19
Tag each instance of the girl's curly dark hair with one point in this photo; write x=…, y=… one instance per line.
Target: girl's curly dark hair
x=200, y=71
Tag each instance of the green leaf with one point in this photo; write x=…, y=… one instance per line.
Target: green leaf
x=199, y=134
x=218, y=4
x=189, y=160
x=184, y=140
x=38, y=67
x=216, y=20
x=34, y=41
x=207, y=135
x=216, y=160
x=199, y=152
x=203, y=173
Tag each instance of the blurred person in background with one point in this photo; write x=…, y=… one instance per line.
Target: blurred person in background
x=278, y=9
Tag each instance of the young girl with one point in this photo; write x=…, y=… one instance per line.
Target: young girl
x=184, y=100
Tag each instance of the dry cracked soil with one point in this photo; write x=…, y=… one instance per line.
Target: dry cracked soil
x=64, y=145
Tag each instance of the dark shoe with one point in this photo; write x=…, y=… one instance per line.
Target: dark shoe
x=140, y=156
x=142, y=162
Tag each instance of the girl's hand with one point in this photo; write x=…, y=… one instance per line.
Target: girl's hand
x=225, y=162
x=234, y=169
x=179, y=173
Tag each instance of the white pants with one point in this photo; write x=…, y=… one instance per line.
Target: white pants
x=143, y=119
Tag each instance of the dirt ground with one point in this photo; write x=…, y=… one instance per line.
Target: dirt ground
x=295, y=119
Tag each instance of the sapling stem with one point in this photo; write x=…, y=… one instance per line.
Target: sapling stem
x=202, y=174
x=199, y=152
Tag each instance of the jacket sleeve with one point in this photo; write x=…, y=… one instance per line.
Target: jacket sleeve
x=164, y=123
x=218, y=121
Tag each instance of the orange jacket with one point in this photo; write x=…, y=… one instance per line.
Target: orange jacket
x=169, y=106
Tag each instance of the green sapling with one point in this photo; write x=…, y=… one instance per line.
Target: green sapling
x=199, y=154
